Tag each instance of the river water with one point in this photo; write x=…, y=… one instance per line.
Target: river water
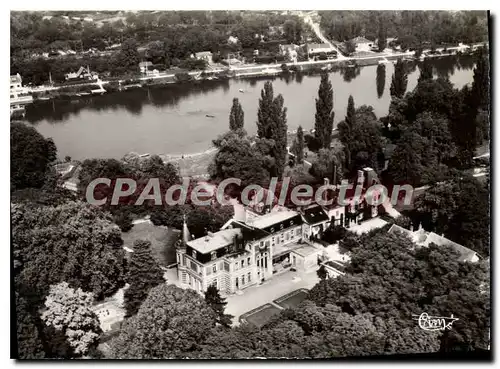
x=172, y=119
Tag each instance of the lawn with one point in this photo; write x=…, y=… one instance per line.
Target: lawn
x=162, y=241
x=260, y=315
x=291, y=299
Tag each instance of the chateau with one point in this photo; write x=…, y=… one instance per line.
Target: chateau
x=253, y=247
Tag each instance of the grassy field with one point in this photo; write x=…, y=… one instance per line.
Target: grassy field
x=162, y=241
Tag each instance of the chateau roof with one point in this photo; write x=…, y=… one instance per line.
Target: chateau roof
x=214, y=241
x=274, y=221
x=315, y=214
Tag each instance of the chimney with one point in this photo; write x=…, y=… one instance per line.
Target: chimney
x=326, y=181
x=361, y=177
x=420, y=226
x=411, y=227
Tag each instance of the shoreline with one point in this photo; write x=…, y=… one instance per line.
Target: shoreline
x=249, y=71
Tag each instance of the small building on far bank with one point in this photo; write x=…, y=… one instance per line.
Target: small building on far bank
x=362, y=44
x=205, y=55
x=145, y=66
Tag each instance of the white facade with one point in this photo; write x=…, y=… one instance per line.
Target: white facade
x=19, y=95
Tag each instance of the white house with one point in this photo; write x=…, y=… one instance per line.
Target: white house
x=205, y=55
x=316, y=49
x=362, y=44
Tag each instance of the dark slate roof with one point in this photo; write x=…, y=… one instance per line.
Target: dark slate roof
x=315, y=215
x=250, y=233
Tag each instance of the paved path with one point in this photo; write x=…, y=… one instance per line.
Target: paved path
x=272, y=289
x=317, y=30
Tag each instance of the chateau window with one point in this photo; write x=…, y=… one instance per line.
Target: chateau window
x=267, y=243
x=272, y=240
x=272, y=230
x=248, y=261
x=261, y=243
x=194, y=266
x=194, y=254
x=213, y=255
x=214, y=268
x=226, y=267
x=242, y=279
x=249, y=276
x=242, y=263
x=235, y=266
x=287, y=236
x=298, y=231
x=281, y=226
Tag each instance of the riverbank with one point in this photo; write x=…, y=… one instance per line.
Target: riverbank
x=248, y=71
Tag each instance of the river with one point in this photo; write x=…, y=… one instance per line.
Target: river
x=172, y=119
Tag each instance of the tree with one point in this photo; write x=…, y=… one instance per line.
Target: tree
x=236, y=158
x=323, y=124
x=272, y=125
x=481, y=83
x=334, y=233
x=426, y=70
x=69, y=310
x=380, y=79
x=292, y=30
x=129, y=56
x=29, y=344
x=346, y=128
x=420, y=279
x=350, y=47
x=399, y=80
x=171, y=323
x=366, y=143
x=236, y=117
x=299, y=145
x=73, y=242
x=322, y=273
x=124, y=221
x=143, y=274
x=264, y=114
x=31, y=154
x=382, y=35
x=328, y=165
x=409, y=162
x=459, y=209
x=279, y=135
x=218, y=304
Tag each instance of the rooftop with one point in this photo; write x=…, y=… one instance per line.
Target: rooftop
x=307, y=250
x=423, y=238
x=318, y=46
x=214, y=241
x=361, y=40
x=203, y=53
x=273, y=218
x=15, y=79
x=315, y=214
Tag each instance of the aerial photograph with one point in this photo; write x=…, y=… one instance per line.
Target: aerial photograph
x=250, y=184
